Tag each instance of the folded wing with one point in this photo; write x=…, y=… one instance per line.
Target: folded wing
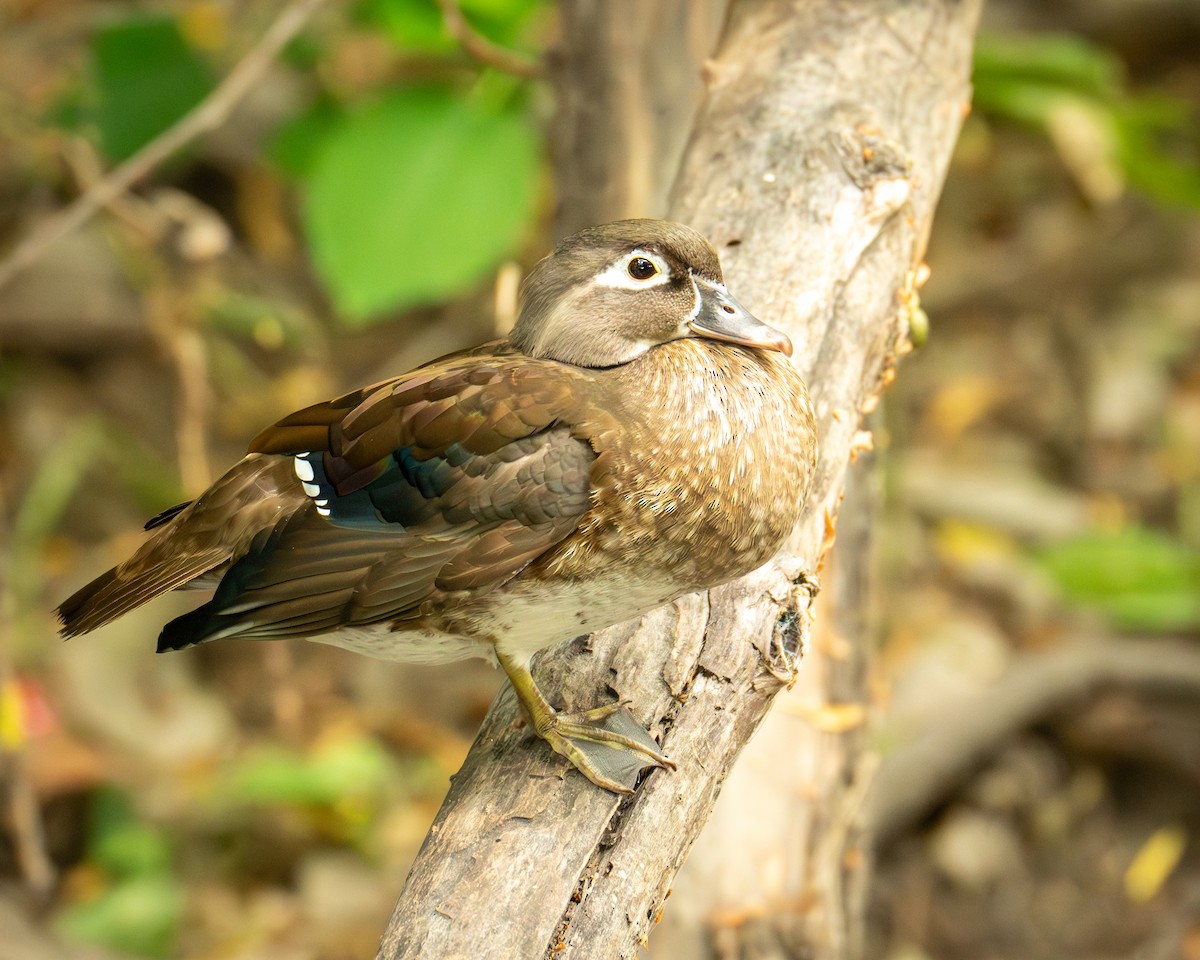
x=370, y=508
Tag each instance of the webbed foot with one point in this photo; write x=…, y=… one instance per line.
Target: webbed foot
x=606, y=744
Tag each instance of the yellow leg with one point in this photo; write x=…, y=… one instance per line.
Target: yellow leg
x=561, y=730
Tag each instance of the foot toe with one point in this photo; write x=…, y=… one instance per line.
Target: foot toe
x=610, y=749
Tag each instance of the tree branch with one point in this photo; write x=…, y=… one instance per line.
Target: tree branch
x=481, y=48
x=917, y=777
x=625, y=110
x=814, y=168
x=207, y=115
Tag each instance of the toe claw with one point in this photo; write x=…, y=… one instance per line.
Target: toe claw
x=607, y=745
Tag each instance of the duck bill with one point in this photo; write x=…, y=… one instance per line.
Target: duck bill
x=720, y=317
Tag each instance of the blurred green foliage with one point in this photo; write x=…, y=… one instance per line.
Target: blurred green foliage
x=40, y=510
x=269, y=323
x=145, y=76
x=344, y=783
x=341, y=789
x=418, y=25
x=415, y=197
x=139, y=905
x=412, y=190
x=415, y=189
x=1142, y=579
x=414, y=194
x=282, y=775
x=1042, y=80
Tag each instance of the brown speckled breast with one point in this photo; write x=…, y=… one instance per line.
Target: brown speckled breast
x=706, y=455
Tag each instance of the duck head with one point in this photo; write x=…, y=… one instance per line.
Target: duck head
x=608, y=294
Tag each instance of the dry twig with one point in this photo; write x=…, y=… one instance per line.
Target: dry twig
x=481, y=48
x=207, y=115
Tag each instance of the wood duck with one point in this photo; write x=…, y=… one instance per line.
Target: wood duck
x=638, y=436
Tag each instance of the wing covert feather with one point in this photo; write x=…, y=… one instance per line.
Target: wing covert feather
x=452, y=478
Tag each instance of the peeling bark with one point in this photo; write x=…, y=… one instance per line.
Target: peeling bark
x=814, y=167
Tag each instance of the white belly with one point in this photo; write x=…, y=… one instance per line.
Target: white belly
x=408, y=646
x=521, y=620
x=532, y=616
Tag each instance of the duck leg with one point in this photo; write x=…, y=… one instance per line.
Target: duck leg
x=605, y=744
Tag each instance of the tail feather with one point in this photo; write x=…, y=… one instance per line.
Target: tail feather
x=191, y=540
x=204, y=622
x=161, y=519
x=129, y=585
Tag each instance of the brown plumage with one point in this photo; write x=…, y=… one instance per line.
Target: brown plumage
x=639, y=436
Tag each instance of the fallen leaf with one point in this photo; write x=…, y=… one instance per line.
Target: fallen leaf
x=1154, y=862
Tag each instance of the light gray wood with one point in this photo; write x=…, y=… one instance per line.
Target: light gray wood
x=782, y=867
x=814, y=168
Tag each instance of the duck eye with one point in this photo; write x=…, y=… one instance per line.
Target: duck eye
x=642, y=269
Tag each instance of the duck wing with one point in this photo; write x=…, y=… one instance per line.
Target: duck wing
x=375, y=506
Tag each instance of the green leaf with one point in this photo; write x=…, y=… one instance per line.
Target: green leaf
x=296, y=142
x=277, y=775
x=415, y=198
x=121, y=843
x=1030, y=79
x=146, y=77
x=1159, y=139
x=141, y=916
x=418, y=25
x=357, y=767
x=409, y=24
x=141, y=910
x=1142, y=579
x=133, y=849
x=361, y=762
x=1060, y=61
x=1018, y=99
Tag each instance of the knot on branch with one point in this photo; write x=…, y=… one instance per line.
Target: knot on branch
x=789, y=639
x=869, y=156
x=878, y=166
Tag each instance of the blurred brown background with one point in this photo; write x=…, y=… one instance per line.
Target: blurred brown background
x=1040, y=461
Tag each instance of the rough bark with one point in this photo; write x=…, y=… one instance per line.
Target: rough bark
x=814, y=167
x=782, y=867
x=628, y=81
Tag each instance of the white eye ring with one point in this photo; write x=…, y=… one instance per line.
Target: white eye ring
x=617, y=274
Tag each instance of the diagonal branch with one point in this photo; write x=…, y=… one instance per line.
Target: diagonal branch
x=481, y=48
x=814, y=167
x=207, y=115
x=916, y=778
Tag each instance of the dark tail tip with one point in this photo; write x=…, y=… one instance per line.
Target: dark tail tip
x=83, y=611
x=167, y=515
x=186, y=631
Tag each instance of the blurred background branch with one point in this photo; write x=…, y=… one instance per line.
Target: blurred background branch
x=209, y=114
x=481, y=48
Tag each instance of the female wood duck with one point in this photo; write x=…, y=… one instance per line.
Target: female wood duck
x=638, y=436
